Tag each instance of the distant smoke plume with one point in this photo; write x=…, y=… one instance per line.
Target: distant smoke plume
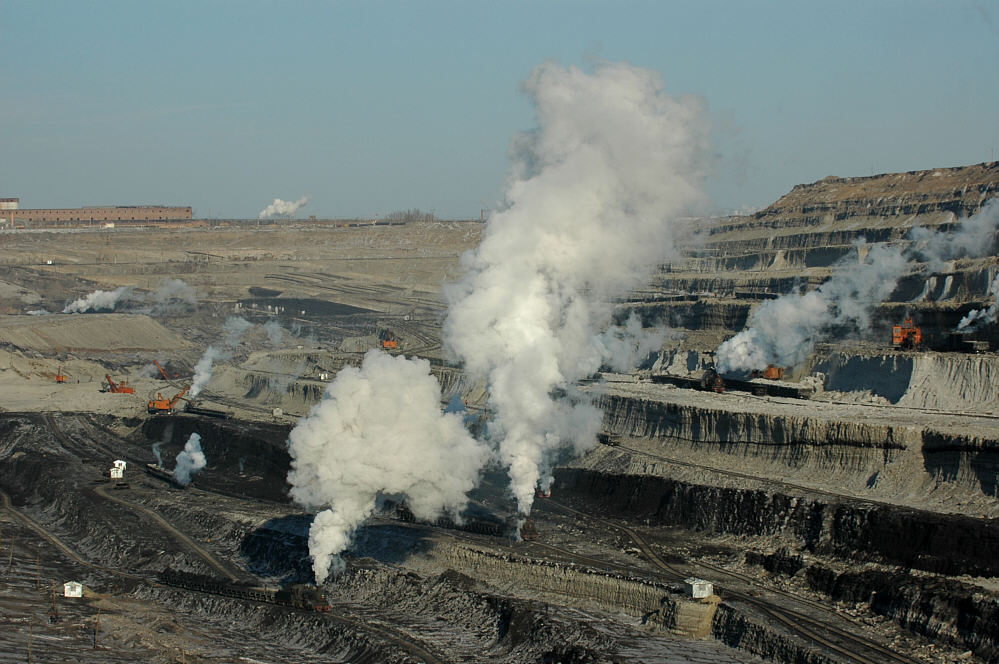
x=233, y=330
x=784, y=331
x=171, y=295
x=589, y=212
x=281, y=208
x=379, y=430
x=190, y=460
x=972, y=236
x=99, y=300
x=978, y=317
x=275, y=333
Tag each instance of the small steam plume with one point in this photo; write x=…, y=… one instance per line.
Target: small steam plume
x=190, y=460
x=281, y=208
x=233, y=330
x=171, y=295
x=158, y=445
x=978, y=317
x=625, y=346
x=590, y=210
x=379, y=430
x=99, y=300
x=159, y=454
x=784, y=331
x=275, y=333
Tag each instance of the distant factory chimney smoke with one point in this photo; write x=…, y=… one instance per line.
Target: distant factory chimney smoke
x=190, y=460
x=280, y=208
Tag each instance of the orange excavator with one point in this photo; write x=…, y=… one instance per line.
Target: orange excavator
x=389, y=342
x=161, y=405
x=60, y=376
x=906, y=335
x=118, y=388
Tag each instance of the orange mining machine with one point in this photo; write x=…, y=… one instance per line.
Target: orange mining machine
x=163, y=372
x=388, y=340
x=906, y=336
x=161, y=405
x=60, y=377
x=772, y=372
x=118, y=388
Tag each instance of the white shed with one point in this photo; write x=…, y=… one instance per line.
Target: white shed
x=72, y=589
x=120, y=463
x=698, y=588
x=117, y=473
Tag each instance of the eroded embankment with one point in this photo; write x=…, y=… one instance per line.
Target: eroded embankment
x=852, y=530
x=891, y=459
x=948, y=610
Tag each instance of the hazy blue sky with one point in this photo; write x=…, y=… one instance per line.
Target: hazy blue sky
x=372, y=107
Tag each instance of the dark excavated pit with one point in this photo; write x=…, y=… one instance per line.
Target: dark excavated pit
x=243, y=458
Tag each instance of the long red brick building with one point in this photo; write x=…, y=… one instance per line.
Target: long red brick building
x=13, y=215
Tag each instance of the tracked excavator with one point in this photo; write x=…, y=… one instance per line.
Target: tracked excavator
x=60, y=377
x=906, y=336
x=161, y=405
x=118, y=388
x=388, y=340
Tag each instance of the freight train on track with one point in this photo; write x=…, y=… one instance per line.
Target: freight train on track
x=299, y=596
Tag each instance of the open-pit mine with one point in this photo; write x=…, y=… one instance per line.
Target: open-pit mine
x=824, y=494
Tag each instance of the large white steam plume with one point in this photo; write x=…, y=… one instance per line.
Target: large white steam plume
x=978, y=317
x=283, y=208
x=784, y=331
x=588, y=214
x=233, y=330
x=379, y=430
x=190, y=460
x=99, y=300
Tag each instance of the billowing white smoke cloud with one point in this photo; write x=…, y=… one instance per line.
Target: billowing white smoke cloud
x=281, y=208
x=190, y=460
x=233, y=330
x=784, y=331
x=588, y=214
x=379, y=430
x=99, y=300
x=978, y=317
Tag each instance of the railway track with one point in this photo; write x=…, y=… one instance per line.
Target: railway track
x=835, y=639
x=406, y=643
